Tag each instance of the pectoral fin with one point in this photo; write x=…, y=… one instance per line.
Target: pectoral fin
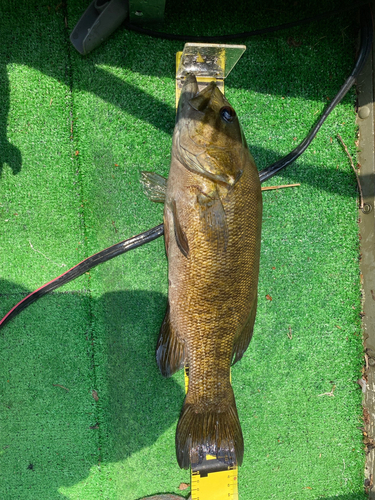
x=154, y=186
x=180, y=236
x=170, y=352
x=213, y=218
x=166, y=232
x=199, y=162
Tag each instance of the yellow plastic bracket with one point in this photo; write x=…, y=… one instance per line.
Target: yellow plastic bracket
x=208, y=61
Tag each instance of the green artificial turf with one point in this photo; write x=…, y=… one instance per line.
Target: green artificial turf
x=84, y=413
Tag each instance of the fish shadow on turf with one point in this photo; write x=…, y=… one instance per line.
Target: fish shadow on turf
x=143, y=403
x=56, y=353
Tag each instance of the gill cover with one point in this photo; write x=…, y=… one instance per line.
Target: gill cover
x=208, y=136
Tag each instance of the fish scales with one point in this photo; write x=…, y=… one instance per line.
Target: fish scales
x=212, y=227
x=211, y=294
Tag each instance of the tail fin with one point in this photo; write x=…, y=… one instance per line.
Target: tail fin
x=213, y=432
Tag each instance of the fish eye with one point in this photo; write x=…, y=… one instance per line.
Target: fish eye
x=227, y=114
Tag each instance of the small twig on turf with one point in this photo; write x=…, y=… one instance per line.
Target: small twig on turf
x=267, y=188
x=355, y=171
x=62, y=387
x=329, y=393
x=45, y=256
x=290, y=336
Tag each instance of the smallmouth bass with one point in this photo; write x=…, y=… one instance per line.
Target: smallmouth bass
x=212, y=229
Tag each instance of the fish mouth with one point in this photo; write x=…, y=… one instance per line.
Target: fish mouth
x=190, y=85
x=192, y=99
x=202, y=100
x=188, y=91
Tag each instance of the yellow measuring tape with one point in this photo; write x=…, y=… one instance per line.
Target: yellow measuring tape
x=212, y=479
x=215, y=485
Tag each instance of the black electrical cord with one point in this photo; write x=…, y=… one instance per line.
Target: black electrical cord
x=366, y=44
x=245, y=34
x=155, y=232
x=83, y=267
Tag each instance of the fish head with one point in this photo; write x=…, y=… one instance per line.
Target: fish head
x=208, y=136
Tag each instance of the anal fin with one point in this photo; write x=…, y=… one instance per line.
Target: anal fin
x=242, y=341
x=170, y=351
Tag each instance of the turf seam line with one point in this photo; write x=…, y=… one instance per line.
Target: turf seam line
x=91, y=351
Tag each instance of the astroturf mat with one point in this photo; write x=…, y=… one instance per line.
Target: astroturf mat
x=84, y=412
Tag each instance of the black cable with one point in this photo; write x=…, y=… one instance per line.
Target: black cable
x=366, y=45
x=267, y=173
x=84, y=266
x=245, y=34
